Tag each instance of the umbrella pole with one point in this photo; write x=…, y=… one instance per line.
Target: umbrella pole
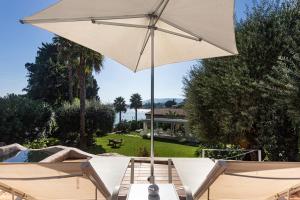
x=152, y=108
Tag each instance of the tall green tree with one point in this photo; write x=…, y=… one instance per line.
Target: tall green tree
x=244, y=99
x=48, y=78
x=65, y=57
x=120, y=106
x=85, y=61
x=136, y=103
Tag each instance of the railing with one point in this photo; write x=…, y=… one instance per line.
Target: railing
x=247, y=151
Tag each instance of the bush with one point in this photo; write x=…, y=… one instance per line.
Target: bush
x=100, y=133
x=42, y=143
x=127, y=126
x=143, y=152
x=99, y=119
x=235, y=152
x=122, y=127
x=23, y=119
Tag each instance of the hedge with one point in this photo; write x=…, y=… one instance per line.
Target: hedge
x=99, y=118
x=23, y=119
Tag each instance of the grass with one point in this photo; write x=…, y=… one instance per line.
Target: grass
x=132, y=143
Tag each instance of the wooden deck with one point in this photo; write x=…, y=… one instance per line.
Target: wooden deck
x=142, y=172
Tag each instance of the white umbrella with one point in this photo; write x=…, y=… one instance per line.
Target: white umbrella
x=143, y=34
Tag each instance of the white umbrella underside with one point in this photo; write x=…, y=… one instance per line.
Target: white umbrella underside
x=186, y=29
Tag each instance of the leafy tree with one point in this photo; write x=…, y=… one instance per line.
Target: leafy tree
x=170, y=103
x=120, y=106
x=62, y=53
x=47, y=78
x=136, y=103
x=23, y=119
x=250, y=99
x=64, y=56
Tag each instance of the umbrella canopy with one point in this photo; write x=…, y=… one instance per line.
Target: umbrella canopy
x=184, y=29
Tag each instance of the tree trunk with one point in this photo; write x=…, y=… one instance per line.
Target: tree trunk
x=120, y=113
x=83, y=136
x=70, y=77
x=136, y=115
x=75, y=89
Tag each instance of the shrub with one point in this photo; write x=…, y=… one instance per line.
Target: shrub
x=143, y=152
x=99, y=118
x=100, y=133
x=235, y=152
x=126, y=126
x=122, y=127
x=23, y=119
x=42, y=143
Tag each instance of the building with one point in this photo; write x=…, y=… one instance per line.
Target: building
x=173, y=113
x=169, y=123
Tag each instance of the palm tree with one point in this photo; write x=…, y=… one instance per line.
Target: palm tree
x=85, y=62
x=88, y=61
x=136, y=103
x=120, y=106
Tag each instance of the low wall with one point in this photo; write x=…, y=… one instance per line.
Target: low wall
x=61, y=153
x=66, y=154
x=10, y=149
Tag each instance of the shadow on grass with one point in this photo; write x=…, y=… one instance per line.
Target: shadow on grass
x=96, y=149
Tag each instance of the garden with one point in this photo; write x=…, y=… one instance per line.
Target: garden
x=135, y=145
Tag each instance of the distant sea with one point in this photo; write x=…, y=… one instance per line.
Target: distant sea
x=130, y=115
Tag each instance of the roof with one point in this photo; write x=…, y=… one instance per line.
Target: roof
x=166, y=120
x=166, y=112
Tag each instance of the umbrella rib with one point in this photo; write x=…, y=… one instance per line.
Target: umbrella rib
x=179, y=34
x=180, y=28
x=146, y=39
x=159, y=5
x=54, y=20
x=195, y=35
x=160, y=13
x=119, y=24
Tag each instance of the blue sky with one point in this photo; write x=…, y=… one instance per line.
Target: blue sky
x=19, y=43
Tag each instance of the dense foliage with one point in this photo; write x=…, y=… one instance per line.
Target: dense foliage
x=128, y=126
x=48, y=78
x=251, y=100
x=63, y=71
x=23, y=119
x=99, y=118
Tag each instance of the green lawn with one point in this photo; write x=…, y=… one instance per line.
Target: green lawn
x=132, y=143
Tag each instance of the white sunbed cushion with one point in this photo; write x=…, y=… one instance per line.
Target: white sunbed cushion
x=193, y=171
x=110, y=170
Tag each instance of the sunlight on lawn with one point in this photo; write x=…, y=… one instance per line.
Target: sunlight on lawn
x=132, y=143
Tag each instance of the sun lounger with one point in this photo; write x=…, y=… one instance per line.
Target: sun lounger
x=107, y=174
x=194, y=172
x=48, y=181
x=65, y=180
x=205, y=179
